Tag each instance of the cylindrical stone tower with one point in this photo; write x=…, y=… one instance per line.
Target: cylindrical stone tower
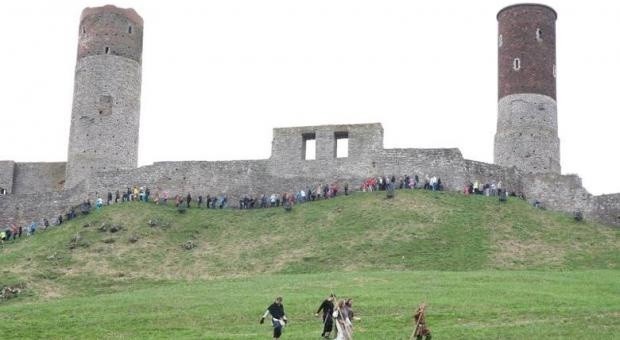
x=527, y=125
x=106, y=99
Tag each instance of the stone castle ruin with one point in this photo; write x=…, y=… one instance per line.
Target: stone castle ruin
x=103, y=143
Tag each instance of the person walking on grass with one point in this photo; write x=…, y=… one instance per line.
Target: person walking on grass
x=421, y=331
x=278, y=318
x=327, y=306
x=343, y=323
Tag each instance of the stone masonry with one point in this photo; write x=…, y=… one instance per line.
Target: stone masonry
x=105, y=119
x=527, y=124
x=106, y=99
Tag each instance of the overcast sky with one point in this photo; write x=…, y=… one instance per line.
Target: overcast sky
x=219, y=75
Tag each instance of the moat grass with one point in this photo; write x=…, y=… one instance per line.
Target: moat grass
x=473, y=305
x=489, y=270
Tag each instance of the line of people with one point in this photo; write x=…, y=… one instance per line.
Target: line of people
x=386, y=183
x=325, y=191
x=491, y=189
x=14, y=232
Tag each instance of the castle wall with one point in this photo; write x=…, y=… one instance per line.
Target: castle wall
x=558, y=192
x=446, y=164
x=7, y=172
x=489, y=173
x=606, y=208
x=32, y=178
x=288, y=143
x=214, y=178
x=255, y=177
x=23, y=209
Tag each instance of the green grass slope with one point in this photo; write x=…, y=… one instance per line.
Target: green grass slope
x=487, y=270
x=417, y=230
x=462, y=305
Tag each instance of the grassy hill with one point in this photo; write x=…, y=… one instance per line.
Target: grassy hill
x=486, y=269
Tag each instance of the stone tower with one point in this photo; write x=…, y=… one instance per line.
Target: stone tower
x=527, y=125
x=105, y=117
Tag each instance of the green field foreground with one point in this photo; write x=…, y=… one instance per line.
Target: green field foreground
x=462, y=305
x=486, y=270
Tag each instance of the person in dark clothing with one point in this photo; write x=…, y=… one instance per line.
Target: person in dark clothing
x=189, y=199
x=327, y=306
x=200, y=201
x=346, y=188
x=59, y=219
x=85, y=207
x=278, y=318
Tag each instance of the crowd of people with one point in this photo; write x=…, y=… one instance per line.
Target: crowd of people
x=385, y=183
x=14, y=232
x=493, y=189
x=284, y=199
x=161, y=197
x=287, y=199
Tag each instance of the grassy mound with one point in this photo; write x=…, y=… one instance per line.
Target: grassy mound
x=487, y=269
x=417, y=230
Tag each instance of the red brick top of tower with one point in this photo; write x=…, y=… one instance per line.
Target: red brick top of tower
x=526, y=50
